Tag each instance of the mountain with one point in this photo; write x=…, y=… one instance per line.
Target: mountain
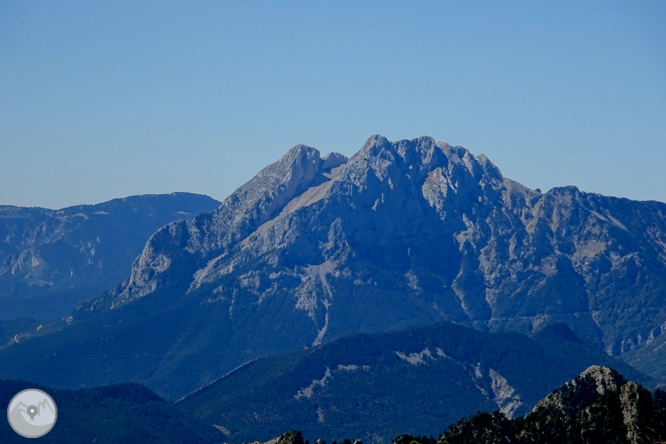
x=374, y=387
x=127, y=413
x=52, y=260
x=598, y=406
x=402, y=234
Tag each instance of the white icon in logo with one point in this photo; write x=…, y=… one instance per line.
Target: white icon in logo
x=32, y=413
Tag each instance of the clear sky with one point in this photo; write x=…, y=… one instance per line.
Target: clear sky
x=105, y=99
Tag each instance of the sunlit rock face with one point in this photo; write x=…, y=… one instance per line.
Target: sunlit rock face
x=426, y=228
x=402, y=233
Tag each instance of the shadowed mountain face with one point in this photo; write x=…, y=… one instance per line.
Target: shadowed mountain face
x=401, y=234
x=374, y=387
x=52, y=260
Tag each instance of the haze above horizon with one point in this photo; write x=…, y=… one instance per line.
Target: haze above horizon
x=111, y=99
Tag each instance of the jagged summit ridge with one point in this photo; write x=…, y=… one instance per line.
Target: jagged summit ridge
x=464, y=236
x=299, y=179
x=403, y=233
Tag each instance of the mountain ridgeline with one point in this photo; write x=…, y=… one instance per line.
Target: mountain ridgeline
x=401, y=234
x=52, y=260
x=374, y=387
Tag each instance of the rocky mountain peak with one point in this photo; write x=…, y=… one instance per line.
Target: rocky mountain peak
x=602, y=378
x=489, y=168
x=333, y=160
x=411, y=162
x=463, y=235
x=278, y=182
x=299, y=159
x=595, y=381
x=423, y=152
x=403, y=233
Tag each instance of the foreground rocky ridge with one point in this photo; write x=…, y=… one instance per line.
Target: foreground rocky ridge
x=598, y=406
x=401, y=234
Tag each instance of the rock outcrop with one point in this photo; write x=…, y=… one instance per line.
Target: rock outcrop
x=598, y=406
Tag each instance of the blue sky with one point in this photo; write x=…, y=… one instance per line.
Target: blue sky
x=108, y=99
